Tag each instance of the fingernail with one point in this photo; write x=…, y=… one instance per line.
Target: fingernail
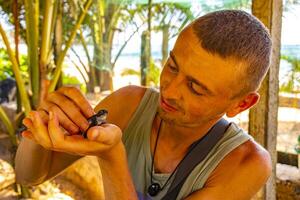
x=50, y=115
x=95, y=134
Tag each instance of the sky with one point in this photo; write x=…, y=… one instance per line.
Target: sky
x=291, y=26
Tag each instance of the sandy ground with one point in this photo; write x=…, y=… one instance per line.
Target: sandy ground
x=288, y=127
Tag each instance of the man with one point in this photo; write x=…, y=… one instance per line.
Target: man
x=214, y=69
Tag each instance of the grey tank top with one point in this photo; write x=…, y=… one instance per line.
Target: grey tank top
x=136, y=138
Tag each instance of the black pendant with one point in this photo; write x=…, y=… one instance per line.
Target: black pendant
x=154, y=189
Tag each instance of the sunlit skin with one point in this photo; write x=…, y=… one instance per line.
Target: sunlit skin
x=197, y=89
x=193, y=80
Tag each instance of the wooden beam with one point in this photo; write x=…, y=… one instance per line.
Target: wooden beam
x=289, y=102
x=287, y=158
x=263, y=117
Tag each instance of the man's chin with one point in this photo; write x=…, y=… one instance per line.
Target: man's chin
x=167, y=117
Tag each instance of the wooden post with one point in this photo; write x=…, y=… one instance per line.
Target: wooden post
x=263, y=117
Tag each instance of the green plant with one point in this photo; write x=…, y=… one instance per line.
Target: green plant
x=153, y=73
x=72, y=80
x=293, y=75
x=6, y=66
x=39, y=19
x=297, y=147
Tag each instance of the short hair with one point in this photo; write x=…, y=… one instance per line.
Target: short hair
x=238, y=35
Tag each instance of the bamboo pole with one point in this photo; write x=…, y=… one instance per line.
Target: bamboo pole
x=32, y=37
x=9, y=126
x=17, y=73
x=68, y=45
x=46, y=34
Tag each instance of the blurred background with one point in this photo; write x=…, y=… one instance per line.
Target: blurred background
x=100, y=46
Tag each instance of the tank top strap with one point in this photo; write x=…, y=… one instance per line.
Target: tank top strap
x=144, y=113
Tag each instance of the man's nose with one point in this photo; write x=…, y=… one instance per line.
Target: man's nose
x=173, y=88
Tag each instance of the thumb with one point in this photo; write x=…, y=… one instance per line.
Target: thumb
x=94, y=133
x=107, y=134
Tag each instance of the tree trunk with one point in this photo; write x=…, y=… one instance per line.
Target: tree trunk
x=98, y=39
x=17, y=34
x=111, y=19
x=165, y=44
x=58, y=32
x=17, y=28
x=32, y=37
x=90, y=67
x=145, y=57
x=96, y=61
x=263, y=117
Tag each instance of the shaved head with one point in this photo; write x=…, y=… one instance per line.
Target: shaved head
x=237, y=35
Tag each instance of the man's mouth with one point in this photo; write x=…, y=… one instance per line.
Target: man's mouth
x=166, y=106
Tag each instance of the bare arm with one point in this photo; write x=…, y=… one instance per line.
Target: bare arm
x=238, y=177
x=116, y=177
x=43, y=164
x=35, y=164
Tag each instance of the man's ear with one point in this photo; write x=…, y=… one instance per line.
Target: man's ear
x=247, y=102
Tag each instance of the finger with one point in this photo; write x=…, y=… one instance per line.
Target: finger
x=64, y=120
x=78, y=137
x=39, y=130
x=79, y=99
x=70, y=109
x=55, y=132
x=74, y=144
x=28, y=135
x=44, y=115
x=28, y=123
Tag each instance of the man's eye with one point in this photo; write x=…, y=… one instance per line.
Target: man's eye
x=173, y=68
x=196, y=89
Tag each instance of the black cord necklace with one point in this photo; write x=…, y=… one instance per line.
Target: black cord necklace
x=155, y=188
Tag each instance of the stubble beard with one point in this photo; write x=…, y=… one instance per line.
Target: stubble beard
x=164, y=116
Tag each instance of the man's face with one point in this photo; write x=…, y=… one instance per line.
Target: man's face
x=195, y=86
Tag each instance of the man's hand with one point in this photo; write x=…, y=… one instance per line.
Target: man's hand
x=100, y=139
x=71, y=107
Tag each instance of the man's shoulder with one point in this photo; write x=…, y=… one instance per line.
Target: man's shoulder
x=256, y=157
x=249, y=152
x=127, y=95
x=122, y=103
x=240, y=174
x=252, y=156
x=131, y=91
x=249, y=158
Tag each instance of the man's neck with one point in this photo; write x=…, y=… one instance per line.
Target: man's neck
x=181, y=137
x=174, y=142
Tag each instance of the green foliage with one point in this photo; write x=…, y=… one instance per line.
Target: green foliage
x=73, y=81
x=130, y=72
x=173, y=15
x=293, y=75
x=6, y=66
x=153, y=73
x=297, y=147
x=225, y=4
